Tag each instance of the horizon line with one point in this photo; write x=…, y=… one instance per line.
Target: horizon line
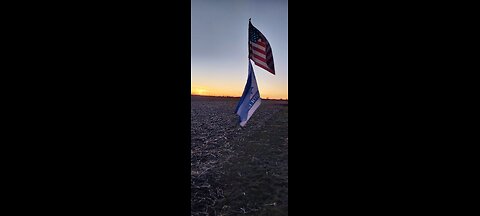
x=264, y=98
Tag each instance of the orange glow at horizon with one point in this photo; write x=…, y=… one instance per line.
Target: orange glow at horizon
x=218, y=82
x=199, y=91
x=206, y=91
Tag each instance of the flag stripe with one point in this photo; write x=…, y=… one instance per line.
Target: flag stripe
x=263, y=51
x=260, y=55
x=265, y=67
x=258, y=46
x=259, y=62
x=262, y=60
x=268, y=49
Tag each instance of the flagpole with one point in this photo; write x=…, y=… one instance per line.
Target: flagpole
x=250, y=99
x=248, y=39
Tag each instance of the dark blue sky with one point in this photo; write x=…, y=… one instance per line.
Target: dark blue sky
x=219, y=55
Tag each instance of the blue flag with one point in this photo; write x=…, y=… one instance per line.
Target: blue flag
x=250, y=100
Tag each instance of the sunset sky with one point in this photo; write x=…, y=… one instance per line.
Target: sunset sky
x=219, y=54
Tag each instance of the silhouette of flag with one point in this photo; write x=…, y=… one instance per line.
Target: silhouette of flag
x=250, y=100
x=259, y=49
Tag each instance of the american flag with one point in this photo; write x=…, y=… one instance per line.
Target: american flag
x=259, y=49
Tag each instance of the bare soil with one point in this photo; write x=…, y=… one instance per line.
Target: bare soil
x=235, y=170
